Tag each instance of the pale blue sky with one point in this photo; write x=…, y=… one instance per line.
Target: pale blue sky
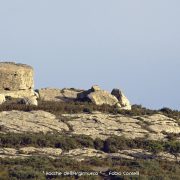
x=129, y=44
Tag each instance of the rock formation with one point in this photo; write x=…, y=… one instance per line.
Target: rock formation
x=102, y=125
x=98, y=96
x=34, y=122
x=96, y=125
x=15, y=77
x=59, y=95
x=29, y=101
x=123, y=101
x=16, y=80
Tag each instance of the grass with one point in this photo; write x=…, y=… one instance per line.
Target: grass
x=33, y=168
x=67, y=142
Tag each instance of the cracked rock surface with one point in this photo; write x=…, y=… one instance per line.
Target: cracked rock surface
x=101, y=125
x=34, y=121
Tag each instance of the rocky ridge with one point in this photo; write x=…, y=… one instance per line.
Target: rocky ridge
x=96, y=124
x=34, y=122
x=85, y=154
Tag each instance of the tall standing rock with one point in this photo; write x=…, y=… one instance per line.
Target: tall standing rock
x=14, y=77
x=16, y=80
x=124, y=103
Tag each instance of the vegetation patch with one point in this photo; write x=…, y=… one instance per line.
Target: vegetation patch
x=68, y=142
x=59, y=108
x=37, y=168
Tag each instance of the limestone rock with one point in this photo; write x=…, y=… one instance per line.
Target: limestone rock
x=8, y=151
x=16, y=80
x=102, y=125
x=2, y=98
x=29, y=101
x=29, y=151
x=159, y=123
x=102, y=97
x=98, y=96
x=123, y=101
x=16, y=77
x=44, y=151
x=34, y=121
x=60, y=95
x=18, y=94
x=84, y=153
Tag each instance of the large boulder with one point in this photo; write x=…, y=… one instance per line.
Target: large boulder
x=98, y=96
x=59, y=95
x=29, y=101
x=16, y=81
x=30, y=122
x=15, y=77
x=102, y=97
x=123, y=101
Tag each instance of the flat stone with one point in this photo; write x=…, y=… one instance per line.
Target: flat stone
x=34, y=121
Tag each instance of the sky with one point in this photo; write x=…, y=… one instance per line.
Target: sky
x=131, y=45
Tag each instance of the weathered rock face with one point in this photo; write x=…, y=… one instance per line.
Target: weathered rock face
x=16, y=77
x=29, y=101
x=26, y=152
x=19, y=94
x=123, y=101
x=60, y=95
x=16, y=81
x=34, y=121
x=52, y=152
x=102, y=97
x=102, y=125
x=2, y=98
x=84, y=153
x=98, y=96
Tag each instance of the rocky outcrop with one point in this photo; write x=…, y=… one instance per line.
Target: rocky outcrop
x=96, y=125
x=101, y=125
x=123, y=101
x=29, y=151
x=34, y=121
x=19, y=94
x=102, y=97
x=83, y=154
x=16, y=80
x=98, y=96
x=60, y=95
x=16, y=77
x=52, y=152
